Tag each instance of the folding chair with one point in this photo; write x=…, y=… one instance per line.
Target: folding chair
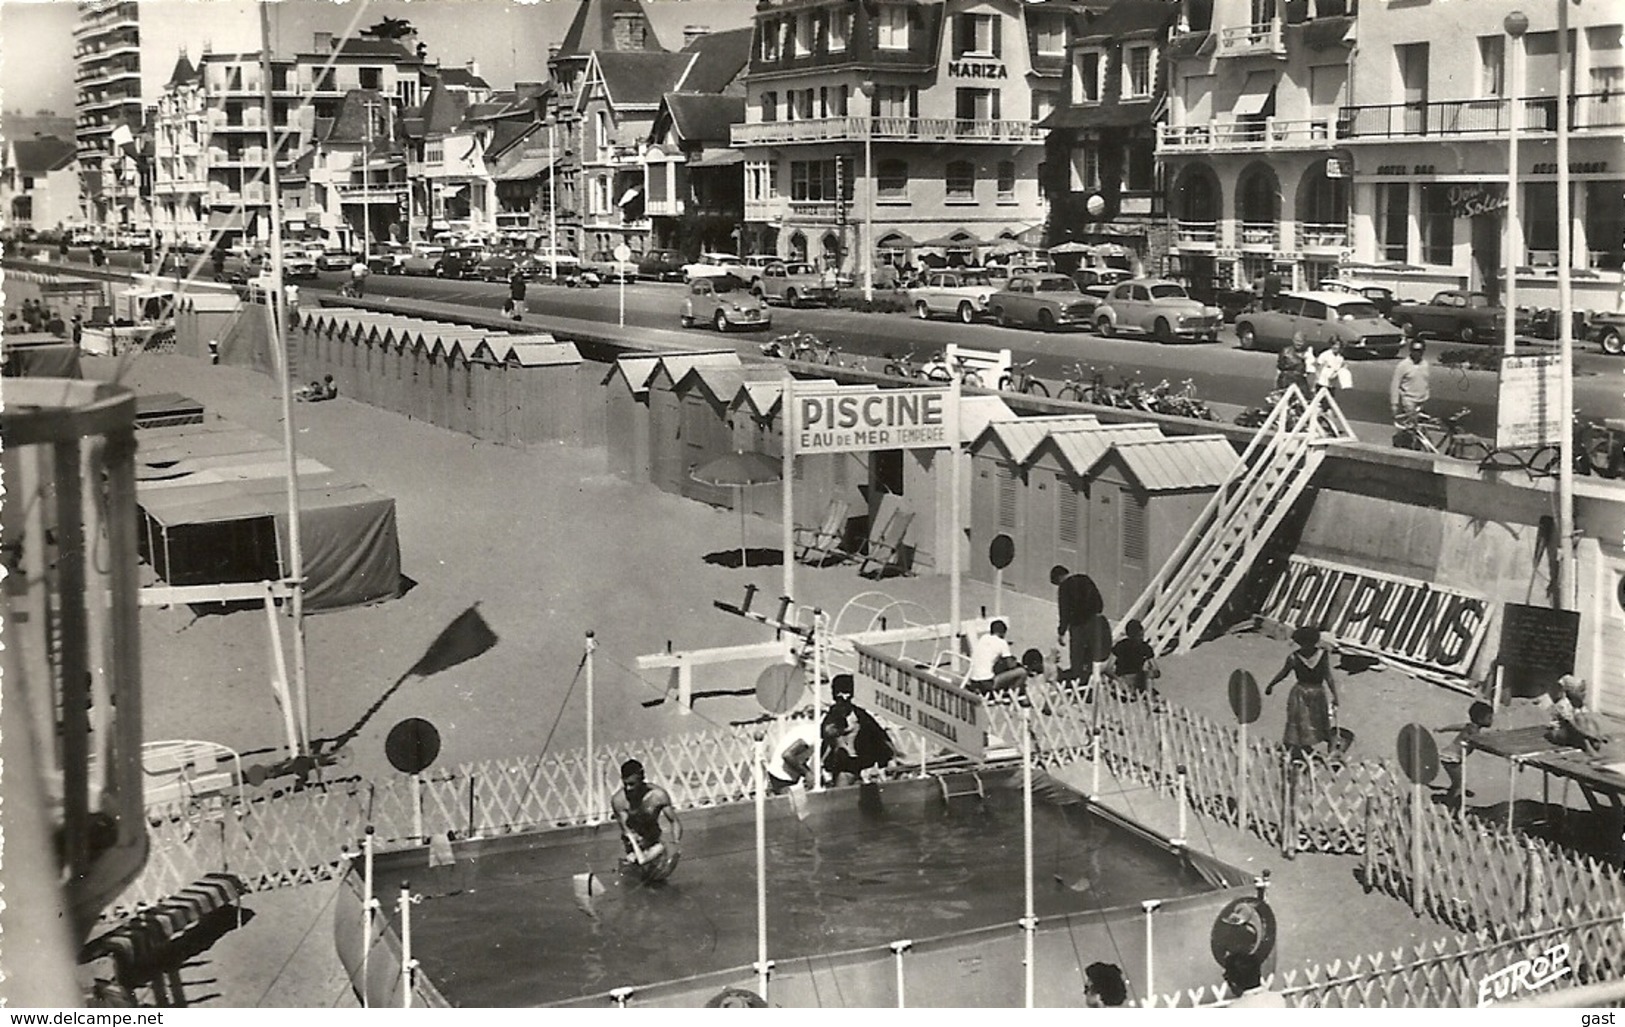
x=886, y=550
x=819, y=545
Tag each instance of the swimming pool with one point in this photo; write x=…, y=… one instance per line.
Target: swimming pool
x=867, y=867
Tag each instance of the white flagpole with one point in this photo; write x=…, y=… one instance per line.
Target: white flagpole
x=787, y=424
x=818, y=699
x=955, y=534
x=1568, y=580
x=370, y=903
x=761, y=867
x=1029, y=922
x=408, y=964
x=592, y=762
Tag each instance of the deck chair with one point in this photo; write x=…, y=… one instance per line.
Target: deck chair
x=819, y=545
x=886, y=548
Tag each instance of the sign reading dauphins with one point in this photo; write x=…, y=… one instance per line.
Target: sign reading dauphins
x=839, y=421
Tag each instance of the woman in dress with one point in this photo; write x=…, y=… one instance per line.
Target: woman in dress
x=1331, y=368
x=1313, y=697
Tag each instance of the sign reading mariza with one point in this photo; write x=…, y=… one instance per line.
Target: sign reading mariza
x=913, y=697
x=1528, y=412
x=840, y=421
x=1414, y=621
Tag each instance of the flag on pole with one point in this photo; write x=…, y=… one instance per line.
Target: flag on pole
x=463, y=639
x=122, y=136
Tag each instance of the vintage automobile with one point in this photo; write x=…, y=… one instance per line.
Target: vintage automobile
x=297, y=267
x=499, y=267
x=963, y=294
x=611, y=270
x=335, y=260
x=661, y=265
x=422, y=259
x=1044, y=300
x=459, y=262
x=713, y=265
x=570, y=271
x=795, y=284
x=1323, y=318
x=723, y=302
x=386, y=258
x=1380, y=296
x=1159, y=308
x=1607, y=330
x=1452, y=314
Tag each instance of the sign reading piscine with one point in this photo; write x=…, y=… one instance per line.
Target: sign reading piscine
x=841, y=421
x=914, y=697
x=1415, y=621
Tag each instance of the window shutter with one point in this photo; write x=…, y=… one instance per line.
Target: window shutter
x=993, y=106
x=1066, y=528
x=1007, y=499
x=1132, y=512
x=998, y=35
x=874, y=102
x=914, y=101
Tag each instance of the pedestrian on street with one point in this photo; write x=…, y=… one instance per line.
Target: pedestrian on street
x=1407, y=392
x=1331, y=369
x=516, y=295
x=62, y=249
x=358, y=278
x=1292, y=366
x=1312, y=702
x=1082, y=625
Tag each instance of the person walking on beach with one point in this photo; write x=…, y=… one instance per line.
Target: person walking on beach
x=1313, y=699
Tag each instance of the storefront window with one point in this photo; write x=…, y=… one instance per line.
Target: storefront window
x=1540, y=223
x=1605, y=224
x=1393, y=226
x=1438, y=225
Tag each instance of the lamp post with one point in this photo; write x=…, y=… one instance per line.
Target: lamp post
x=366, y=192
x=867, y=241
x=1567, y=591
x=1516, y=24
x=552, y=201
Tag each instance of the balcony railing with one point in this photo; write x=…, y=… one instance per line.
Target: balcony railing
x=1196, y=233
x=663, y=208
x=376, y=192
x=1245, y=40
x=952, y=130
x=1313, y=236
x=1488, y=117
x=1271, y=134
x=1258, y=233
x=816, y=210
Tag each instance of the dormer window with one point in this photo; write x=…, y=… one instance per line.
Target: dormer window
x=1089, y=76
x=976, y=35
x=1136, y=72
x=804, y=34
x=893, y=27
x=840, y=26
x=1050, y=37
x=770, y=40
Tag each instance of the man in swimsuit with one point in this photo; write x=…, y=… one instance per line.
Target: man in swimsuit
x=639, y=808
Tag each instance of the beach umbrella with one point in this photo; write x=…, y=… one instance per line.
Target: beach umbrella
x=739, y=471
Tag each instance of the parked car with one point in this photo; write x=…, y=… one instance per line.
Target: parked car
x=242, y=267
x=961, y=294
x=1045, y=300
x=335, y=260
x=459, y=262
x=795, y=284
x=661, y=265
x=1159, y=308
x=712, y=265
x=387, y=258
x=1323, y=317
x=750, y=268
x=611, y=270
x=572, y=273
x=296, y=267
x=1452, y=314
x=724, y=302
x=1607, y=330
x=499, y=267
x=422, y=259
x=1380, y=297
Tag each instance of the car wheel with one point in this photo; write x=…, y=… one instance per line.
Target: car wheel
x=1466, y=332
x=1164, y=331
x=1001, y=318
x=1246, y=336
x=922, y=311
x=686, y=321
x=439, y=271
x=967, y=314
x=1612, y=343
x=1105, y=327
x=720, y=321
x=790, y=298
x=1046, y=321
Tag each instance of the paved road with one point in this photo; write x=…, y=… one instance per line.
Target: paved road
x=1221, y=371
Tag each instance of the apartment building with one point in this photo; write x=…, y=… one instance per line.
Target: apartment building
x=356, y=182
x=123, y=53
x=39, y=182
x=1104, y=188
x=1427, y=124
x=694, y=179
x=898, y=126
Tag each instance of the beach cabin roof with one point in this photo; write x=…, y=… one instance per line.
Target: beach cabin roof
x=1020, y=436
x=1080, y=448
x=1173, y=464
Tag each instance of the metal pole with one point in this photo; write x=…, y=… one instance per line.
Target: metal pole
x=370, y=904
x=273, y=308
x=1184, y=806
x=1568, y=583
x=366, y=186
x=592, y=762
x=409, y=965
x=1516, y=24
x=1241, y=782
x=869, y=205
x=1150, y=906
x=552, y=199
x=998, y=590
x=280, y=679
x=417, y=809
x=818, y=698
x=761, y=866
x=787, y=429
x=1416, y=848
x=1512, y=791
x=955, y=393
x=897, y=949
x=1029, y=920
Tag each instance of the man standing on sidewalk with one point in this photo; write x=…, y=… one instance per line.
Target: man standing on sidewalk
x=516, y=294
x=1082, y=622
x=1407, y=392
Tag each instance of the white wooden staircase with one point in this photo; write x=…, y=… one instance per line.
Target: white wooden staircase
x=1219, y=550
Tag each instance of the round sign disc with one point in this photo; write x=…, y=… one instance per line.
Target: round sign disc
x=1245, y=701
x=412, y=745
x=1418, y=755
x=779, y=687
x=1246, y=925
x=1001, y=551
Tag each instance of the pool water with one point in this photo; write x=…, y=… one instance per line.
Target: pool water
x=866, y=867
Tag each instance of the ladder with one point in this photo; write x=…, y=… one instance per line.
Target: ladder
x=973, y=786
x=1219, y=549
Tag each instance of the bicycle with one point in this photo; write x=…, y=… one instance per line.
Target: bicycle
x=1020, y=378
x=1081, y=386
x=1599, y=448
x=804, y=347
x=1443, y=436
x=934, y=369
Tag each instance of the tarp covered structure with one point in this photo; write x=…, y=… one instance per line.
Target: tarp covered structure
x=214, y=506
x=40, y=355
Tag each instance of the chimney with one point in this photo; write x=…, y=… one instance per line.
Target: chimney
x=474, y=68
x=629, y=32
x=692, y=33
x=323, y=42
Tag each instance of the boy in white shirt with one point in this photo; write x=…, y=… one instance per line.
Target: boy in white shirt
x=993, y=667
